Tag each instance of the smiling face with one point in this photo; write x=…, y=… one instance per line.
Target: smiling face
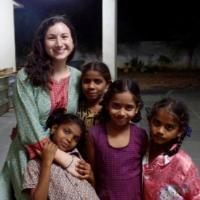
x=122, y=108
x=164, y=127
x=66, y=136
x=58, y=42
x=93, y=85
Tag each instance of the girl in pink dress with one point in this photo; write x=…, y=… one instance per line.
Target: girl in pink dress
x=169, y=173
x=117, y=145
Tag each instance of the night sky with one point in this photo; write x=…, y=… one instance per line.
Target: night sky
x=137, y=21
x=153, y=21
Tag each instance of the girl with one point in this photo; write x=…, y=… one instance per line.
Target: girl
x=95, y=80
x=47, y=82
x=47, y=180
x=117, y=145
x=169, y=172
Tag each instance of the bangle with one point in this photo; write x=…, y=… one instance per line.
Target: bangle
x=70, y=162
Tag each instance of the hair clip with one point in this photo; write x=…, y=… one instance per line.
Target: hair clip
x=188, y=130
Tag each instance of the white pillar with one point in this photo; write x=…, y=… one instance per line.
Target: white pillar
x=109, y=34
x=7, y=36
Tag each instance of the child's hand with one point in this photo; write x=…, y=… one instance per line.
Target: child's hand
x=84, y=169
x=48, y=153
x=72, y=166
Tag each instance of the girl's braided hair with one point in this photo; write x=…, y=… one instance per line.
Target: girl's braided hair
x=180, y=111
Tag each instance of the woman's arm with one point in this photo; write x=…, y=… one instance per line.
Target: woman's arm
x=32, y=133
x=30, y=129
x=47, y=156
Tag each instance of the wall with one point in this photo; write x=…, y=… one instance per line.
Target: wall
x=7, y=40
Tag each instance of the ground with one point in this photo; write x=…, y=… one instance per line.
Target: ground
x=177, y=80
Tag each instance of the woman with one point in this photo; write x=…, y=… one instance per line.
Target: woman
x=47, y=82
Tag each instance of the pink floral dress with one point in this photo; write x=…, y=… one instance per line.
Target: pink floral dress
x=171, y=178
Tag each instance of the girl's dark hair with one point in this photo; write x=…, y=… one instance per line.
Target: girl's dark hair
x=120, y=86
x=39, y=66
x=59, y=117
x=98, y=66
x=180, y=111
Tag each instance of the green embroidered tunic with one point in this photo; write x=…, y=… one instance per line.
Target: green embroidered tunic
x=32, y=108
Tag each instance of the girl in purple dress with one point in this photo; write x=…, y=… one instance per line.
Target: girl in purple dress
x=169, y=173
x=116, y=145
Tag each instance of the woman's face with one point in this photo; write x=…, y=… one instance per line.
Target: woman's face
x=58, y=42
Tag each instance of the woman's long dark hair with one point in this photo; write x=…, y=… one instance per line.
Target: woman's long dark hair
x=180, y=111
x=120, y=86
x=39, y=68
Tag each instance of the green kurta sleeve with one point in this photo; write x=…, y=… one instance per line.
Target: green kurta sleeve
x=32, y=107
x=74, y=90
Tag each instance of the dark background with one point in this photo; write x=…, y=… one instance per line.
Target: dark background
x=137, y=21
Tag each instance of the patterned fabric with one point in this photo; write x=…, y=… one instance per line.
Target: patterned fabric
x=32, y=148
x=62, y=184
x=89, y=118
x=171, y=178
x=119, y=170
x=32, y=107
x=58, y=93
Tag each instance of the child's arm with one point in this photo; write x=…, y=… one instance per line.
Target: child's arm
x=47, y=156
x=67, y=161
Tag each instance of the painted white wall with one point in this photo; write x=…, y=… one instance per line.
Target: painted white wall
x=7, y=39
x=109, y=34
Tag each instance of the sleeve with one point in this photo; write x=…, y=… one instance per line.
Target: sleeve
x=191, y=184
x=31, y=175
x=74, y=90
x=29, y=129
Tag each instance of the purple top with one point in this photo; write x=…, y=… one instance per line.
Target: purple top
x=119, y=170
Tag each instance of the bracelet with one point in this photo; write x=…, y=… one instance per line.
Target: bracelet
x=70, y=162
